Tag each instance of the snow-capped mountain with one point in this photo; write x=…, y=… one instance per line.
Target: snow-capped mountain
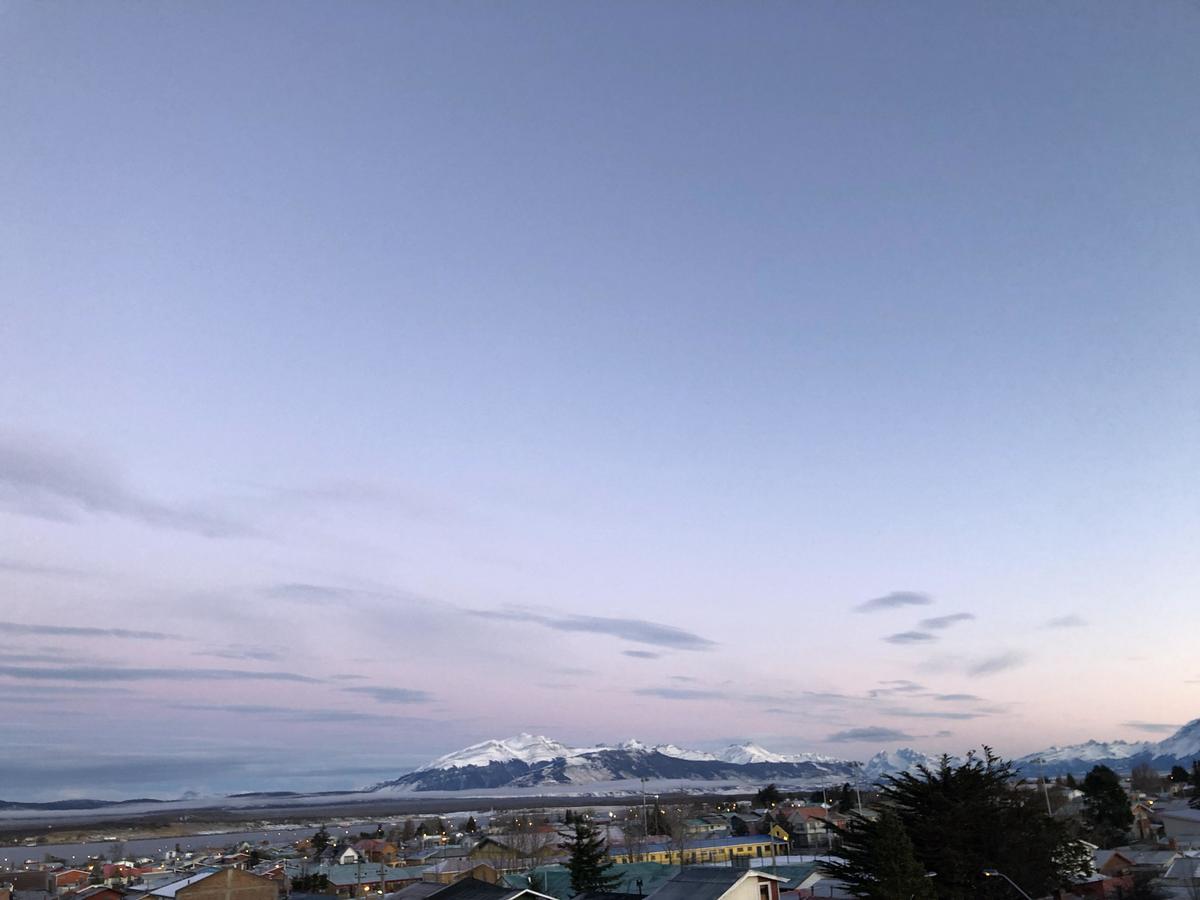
x=527, y=748
x=750, y=752
x=1177, y=750
x=903, y=760
x=534, y=761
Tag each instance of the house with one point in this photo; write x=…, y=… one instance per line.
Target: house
x=71, y=879
x=95, y=892
x=707, y=826
x=450, y=870
x=1111, y=862
x=467, y=889
x=213, y=884
x=356, y=880
x=810, y=826
x=719, y=883
x=1183, y=871
x=1151, y=861
x=377, y=851
x=517, y=851
x=1181, y=822
x=707, y=850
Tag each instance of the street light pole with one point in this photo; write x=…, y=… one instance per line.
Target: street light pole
x=994, y=873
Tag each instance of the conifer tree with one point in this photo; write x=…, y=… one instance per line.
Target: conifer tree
x=588, y=864
x=961, y=820
x=884, y=849
x=846, y=799
x=1106, y=808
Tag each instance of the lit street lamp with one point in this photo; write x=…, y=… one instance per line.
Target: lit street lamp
x=994, y=873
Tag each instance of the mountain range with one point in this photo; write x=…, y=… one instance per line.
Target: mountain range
x=534, y=761
x=1122, y=756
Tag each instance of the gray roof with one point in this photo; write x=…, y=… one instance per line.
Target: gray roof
x=474, y=889
x=172, y=887
x=417, y=891
x=704, y=883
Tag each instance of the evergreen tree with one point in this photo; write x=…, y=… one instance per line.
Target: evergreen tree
x=1071, y=782
x=1179, y=775
x=320, y=840
x=470, y=826
x=881, y=864
x=658, y=820
x=768, y=797
x=409, y=832
x=1107, y=813
x=1195, y=784
x=845, y=800
x=588, y=861
x=961, y=820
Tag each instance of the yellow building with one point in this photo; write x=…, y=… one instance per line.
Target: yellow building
x=705, y=850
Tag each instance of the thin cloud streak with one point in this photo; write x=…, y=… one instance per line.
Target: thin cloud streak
x=667, y=693
x=1068, y=621
x=894, y=600
x=391, y=694
x=113, y=673
x=874, y=733
x=939, y=622
x=1001, y=662
x=638, y=631
x=1153, y=727
x=43, y=479
x=86, y=631
x=911, y=637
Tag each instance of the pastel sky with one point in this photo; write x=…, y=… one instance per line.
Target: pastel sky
x=378, y=378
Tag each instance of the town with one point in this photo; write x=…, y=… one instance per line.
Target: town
x=1128, y=837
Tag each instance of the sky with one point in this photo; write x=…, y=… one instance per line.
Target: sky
x=379, y=378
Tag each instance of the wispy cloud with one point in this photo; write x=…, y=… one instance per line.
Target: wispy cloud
x=86, y=631
x=668, y=693
x=952, y=715
x=391, y=694
x=1001, y=662
x=638, y=631
x=642, y=654
x=114, y=673
x=1069, y=621
x=896, y=686
x=290, y=714
x=48, y=480
x=939, y=622
x=241, y=651
x=910, y=637
x=894, y=600
x=874, y=733
x=1153, y=727
x=315, y=594
x=953, y=698
x=19, y=567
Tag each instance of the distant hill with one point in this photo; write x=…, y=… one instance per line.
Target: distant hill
x=1122, y=756
x=532, y=761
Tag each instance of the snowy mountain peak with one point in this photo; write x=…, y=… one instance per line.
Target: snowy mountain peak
x=527, y=748
x=749, y=752
x=1183, y=743
x=905, y=759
